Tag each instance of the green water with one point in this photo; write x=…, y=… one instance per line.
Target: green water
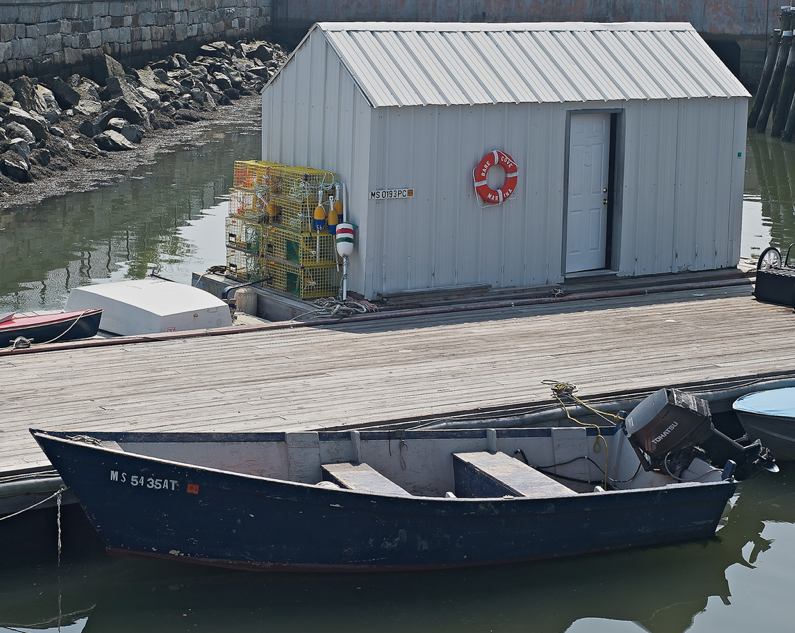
x=740, y=581
x=169, y=217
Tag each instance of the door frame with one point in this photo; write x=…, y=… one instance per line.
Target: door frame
x=615, y=176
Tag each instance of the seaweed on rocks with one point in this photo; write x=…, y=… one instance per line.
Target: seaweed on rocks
x=59, y=135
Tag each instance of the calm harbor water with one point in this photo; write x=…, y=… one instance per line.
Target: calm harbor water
x=169, y=216
x=740, y=581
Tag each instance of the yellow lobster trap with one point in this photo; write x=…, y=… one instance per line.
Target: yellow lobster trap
x=244, y=234
x=306, y=282
x=243, y=264
x=300, y=248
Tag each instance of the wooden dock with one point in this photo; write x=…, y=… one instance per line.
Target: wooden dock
x=381, y=370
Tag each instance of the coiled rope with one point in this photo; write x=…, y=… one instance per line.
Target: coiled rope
x=562, y=390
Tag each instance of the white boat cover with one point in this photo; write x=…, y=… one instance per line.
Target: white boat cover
x=147, y=306
x=774, y=402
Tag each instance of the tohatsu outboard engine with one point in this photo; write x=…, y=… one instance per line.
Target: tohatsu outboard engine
x=670, y=428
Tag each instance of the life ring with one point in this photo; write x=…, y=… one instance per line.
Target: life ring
x=488, y=194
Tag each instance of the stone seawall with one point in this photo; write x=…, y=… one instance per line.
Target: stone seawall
x=41, y=38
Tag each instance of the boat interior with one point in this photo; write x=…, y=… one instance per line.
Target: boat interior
x=474, y=463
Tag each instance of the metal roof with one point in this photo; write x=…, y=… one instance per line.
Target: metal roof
x=434, y=63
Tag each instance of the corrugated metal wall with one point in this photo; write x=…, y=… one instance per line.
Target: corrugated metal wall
x=682, y=189
x=680, y=199
x=680, y=204
x=314, y=115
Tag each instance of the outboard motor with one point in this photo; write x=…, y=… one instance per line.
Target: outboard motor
x=670, y=428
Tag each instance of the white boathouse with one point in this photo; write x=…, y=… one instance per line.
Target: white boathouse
x=628, y=141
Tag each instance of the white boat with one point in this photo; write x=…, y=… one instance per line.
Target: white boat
x=769, y=416
x=151, y=305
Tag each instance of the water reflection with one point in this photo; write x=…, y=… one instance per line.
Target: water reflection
x=120, y=230
x=769, y=193
x=662, y=590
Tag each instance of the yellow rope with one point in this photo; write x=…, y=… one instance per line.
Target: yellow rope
x=567, y=389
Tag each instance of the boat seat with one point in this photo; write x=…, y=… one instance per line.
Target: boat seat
x=362, y=478
x=486, y=474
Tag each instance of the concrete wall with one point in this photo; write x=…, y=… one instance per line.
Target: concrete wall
x=42, y=37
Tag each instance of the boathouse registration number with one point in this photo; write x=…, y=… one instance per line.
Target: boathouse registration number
x=153, y=483
x=391, y=194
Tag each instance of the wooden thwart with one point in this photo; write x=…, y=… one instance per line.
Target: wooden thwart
x=489, y=475
x=362, y=478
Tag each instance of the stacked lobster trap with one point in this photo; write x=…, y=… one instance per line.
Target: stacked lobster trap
x=281, y=226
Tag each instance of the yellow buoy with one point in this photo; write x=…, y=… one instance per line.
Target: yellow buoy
x=320, y=218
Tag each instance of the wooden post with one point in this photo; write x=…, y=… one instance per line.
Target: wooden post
x=778, y=72
x=781, y=112
x=767, y=72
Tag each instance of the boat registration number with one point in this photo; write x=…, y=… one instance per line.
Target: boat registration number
x=153, y=483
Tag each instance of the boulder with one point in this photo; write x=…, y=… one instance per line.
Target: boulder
x=260, y=71
x=262, y=52
x=211, y=50
x=12, y=165
x=6, y=93
x=34, y=122
x=112, y=141
x=233, y=94
x=61, y=146
x=116, y=88
x=105, y=67
x=66, y=96
x=41, y=157
x=222, y=81
x=22, y=149
x=133, y=133
x=128, y=110
x=46, y=103
x=17, y=130
x=89, y=128
x=236, y=78
x=24, y=94
x=56, y=131
x=150, y=97
x=180, y=60
x=90, y=103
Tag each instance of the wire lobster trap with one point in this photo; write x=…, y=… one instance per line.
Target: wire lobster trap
x=244, y=234
x=305, y=282
x=292, y=213
x=302, y=249
x=254, y=175
x=243, y=264
x=251, y=205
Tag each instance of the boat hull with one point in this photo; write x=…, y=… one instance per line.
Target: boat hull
x=769, y=416
x=776, y=433
x=154, y=507
x=66, y=326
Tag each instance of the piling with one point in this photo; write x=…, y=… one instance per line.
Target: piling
x=778, y=71
x=782, y=110
x=773, y=41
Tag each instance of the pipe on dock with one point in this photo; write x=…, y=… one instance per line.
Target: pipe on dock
x=778, y=71
x=537, y=418
x=774, y=39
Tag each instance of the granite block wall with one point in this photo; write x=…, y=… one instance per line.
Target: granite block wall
x=40, y=38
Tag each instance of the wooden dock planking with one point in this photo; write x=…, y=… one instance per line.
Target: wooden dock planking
x=390, y=369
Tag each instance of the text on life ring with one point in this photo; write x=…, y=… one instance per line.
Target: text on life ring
x=495, y=196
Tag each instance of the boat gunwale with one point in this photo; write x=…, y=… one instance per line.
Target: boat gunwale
x=502, y=501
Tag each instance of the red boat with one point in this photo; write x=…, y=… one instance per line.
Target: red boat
x=49, y=328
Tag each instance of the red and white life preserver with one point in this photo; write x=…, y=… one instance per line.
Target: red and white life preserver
x=488, y=194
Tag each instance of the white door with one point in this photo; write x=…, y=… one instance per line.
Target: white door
x=586, y=218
